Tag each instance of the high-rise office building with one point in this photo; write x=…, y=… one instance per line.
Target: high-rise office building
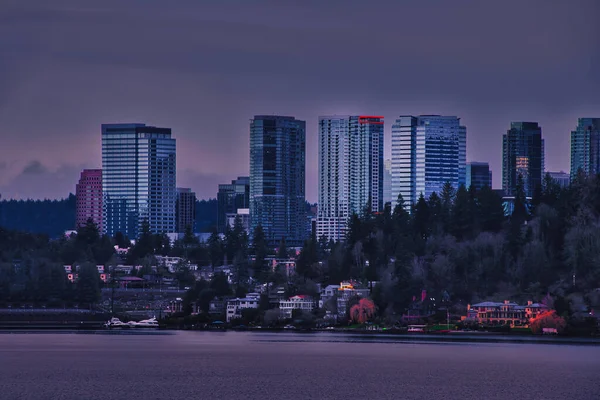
x=277, y=178
x=387, y=183
x=138, y=179
x=230, y=198
x=88, y=195
x=479, y=175
x=522, y=154
x=427, y=152
x=563, y=179
x=185, y=209
x=585, y=147
x=350, y=171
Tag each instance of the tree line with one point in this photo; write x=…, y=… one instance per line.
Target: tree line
x=458, y=243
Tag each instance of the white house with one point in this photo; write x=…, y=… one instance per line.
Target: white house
x=299, y=302
x=235, y=306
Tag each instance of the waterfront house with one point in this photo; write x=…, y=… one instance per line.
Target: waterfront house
x=506, y=313
x=299, y=302
x=235, y=306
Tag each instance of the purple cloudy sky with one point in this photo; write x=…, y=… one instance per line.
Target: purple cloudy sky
x=204, y=68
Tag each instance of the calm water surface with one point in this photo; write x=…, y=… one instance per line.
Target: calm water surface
x=245, y=365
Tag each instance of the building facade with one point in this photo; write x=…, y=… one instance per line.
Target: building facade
x=231, y=197
x=138, y=179
x=387, y=183
x=585, y=147
x=350, y=171
x=236, y=306
x=185, y=209
x=427, y=152
x=88, y=194
x=299, y=302
x=522, y=154
x=563, y=179
x=506, y=313
x=244, y=216
x=277, y=178
x=478, y=175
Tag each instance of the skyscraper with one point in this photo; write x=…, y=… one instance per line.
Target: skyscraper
x=138, y=179
x=563, y=179
x=427, y=152
x=88, y=194
x=522, y=154
x=185, y=210
x=387, y=183
x=350, y=171
x=231, y=197
x=585, y=147
x=479, y=175
x=277, y=178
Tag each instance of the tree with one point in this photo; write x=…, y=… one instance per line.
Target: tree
x=363, y=311
x=88, y=284
x=282, y=251
x=308, y=258
x=220, y=284
x=436, y=214
x=260, y=251
x=517, y=218
x=461, y=215
x=491, y=210
x=122, y=241
x=215, y=249
x=421, y=219
x=447, y=197
x=272, y=317
x=547, y=319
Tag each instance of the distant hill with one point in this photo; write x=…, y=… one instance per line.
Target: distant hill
x=54, y=217
x=206, y=215
x=50, y=217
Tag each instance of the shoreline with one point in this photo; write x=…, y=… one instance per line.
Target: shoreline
x=279, y=336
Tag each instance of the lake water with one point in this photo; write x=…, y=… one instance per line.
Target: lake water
x=249, y=365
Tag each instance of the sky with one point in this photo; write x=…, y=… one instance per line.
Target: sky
x=205, y=68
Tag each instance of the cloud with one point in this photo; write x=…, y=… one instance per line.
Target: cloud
x=37, y=181
x=34, y=168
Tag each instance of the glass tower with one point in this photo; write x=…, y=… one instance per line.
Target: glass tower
x=479, y=175
x=231, y=197
x=522, y=154
x=138, y=179
x=350, y=171
x=585, y=147
x=427, y=152
x=277, y=178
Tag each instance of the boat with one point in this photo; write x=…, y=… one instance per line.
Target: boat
x=114, y=323
x=147, y=323
x=416, y=329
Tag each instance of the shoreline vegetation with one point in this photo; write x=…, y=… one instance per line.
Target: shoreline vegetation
x=462, y=256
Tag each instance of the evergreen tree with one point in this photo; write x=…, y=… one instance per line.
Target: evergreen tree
x=436, y=214
x=491, y=210
x=447, y=197
x=421, y=219
x=215, y=249
x=461, y=217
x=260, y=251
x=282, y=251
x=88, y=284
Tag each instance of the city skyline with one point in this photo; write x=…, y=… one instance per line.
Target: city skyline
x=116, y=78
